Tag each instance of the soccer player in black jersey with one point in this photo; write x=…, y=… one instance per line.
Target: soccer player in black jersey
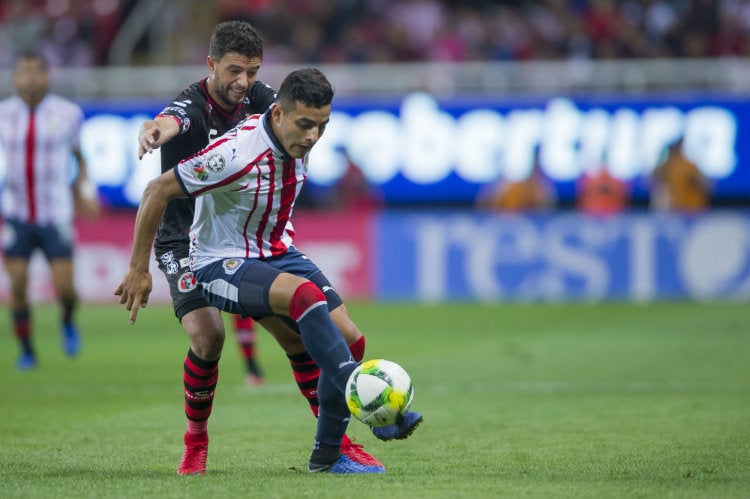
x=201, y=112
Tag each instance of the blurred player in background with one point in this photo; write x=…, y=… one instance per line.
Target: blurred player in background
x=39, y=132
x=203, y=111
x=244, y=328
x=534, y=193
x=678, y=184
x=245, y=185
x=600, y=193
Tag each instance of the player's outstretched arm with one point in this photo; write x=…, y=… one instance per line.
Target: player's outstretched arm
x=155, y=133
x=136, y=286
x=85, y=194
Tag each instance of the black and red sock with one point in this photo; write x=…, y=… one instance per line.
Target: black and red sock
x=200, y=377
x=306, y=373
x=22, y=329
x=68, y=309
x=245, y=331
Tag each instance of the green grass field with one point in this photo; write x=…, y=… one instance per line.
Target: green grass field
x=520, y=401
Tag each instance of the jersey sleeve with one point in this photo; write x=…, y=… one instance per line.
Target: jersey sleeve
x=262, y=96
x=181, y=109
x=214, y=169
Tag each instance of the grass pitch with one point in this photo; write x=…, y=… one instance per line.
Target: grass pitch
x=520, y=401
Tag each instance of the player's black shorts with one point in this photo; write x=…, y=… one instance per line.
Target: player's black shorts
x=20, y=239
x=241, y=286
x=183, y=287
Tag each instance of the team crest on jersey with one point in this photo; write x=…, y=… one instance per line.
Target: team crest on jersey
x=187, y=282
x=231, y=265
x=215, y=163
x=199, y=172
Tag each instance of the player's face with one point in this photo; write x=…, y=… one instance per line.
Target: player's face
x=231, y=77
x=31, y=80
x=299, y=128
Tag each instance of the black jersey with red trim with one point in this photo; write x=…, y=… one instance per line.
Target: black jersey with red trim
x=201, y=120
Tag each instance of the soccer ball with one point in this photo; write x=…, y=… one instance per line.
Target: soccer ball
x=378, y=391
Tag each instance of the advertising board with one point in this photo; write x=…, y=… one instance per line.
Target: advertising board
x=420, y=150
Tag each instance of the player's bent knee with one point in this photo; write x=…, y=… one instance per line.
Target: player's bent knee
x=305, y=297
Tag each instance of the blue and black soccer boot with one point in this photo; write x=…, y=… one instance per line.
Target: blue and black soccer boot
x=343, y=465
x=26, y=362
x=401, y=429
x=71, y=340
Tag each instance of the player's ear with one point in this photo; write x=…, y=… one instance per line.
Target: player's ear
x=276, y=112
x=210, y=63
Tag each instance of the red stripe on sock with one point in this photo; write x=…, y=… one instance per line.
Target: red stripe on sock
x=306, y=376
x=200, y=371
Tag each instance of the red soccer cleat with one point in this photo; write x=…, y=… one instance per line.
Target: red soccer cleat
x=254, y=380
x=356, y=453
x=193, y=460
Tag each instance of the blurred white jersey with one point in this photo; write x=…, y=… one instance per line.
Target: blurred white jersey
x=245, y=187
x=38, y=148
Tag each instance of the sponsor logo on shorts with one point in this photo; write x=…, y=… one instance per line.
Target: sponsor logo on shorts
x=231, y=265
x=187, y=282
x=184, y=262
x=170, y=265
x=215, y=163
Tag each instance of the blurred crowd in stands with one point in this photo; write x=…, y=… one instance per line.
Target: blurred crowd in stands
x=676, y=184
x=81, y=32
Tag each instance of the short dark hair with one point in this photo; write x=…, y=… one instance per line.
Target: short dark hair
x=33, y=55
x=308, y=86
x=235, y=36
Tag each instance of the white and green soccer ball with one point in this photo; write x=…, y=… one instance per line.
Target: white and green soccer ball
x=378, y=391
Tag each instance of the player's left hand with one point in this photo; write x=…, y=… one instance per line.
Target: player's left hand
x=86, y=197
x=88, y=207
x=134, y=291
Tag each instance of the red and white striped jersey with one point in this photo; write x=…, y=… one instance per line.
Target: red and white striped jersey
x=245, y=187
x=38, y=149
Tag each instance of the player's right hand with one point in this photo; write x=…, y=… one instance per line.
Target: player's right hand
x=134, y=291
x=148, y=140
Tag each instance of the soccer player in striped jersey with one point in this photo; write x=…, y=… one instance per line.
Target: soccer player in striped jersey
x=244, y=329
x=203, y=111
x=39, y=131
x=241, y=244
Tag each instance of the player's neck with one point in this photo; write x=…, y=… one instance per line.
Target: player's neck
x=32, y=100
